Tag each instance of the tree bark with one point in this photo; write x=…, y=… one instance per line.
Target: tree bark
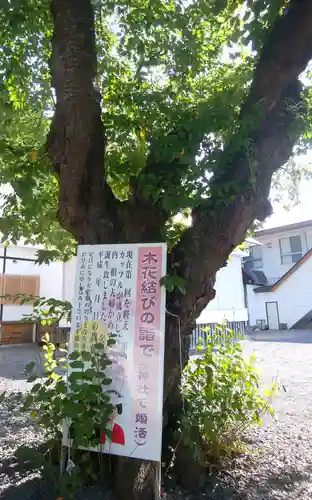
x=89, y=210
x=76, y=142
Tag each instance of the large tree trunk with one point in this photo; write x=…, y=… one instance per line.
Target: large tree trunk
x=89, y=210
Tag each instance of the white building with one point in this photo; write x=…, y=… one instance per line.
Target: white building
x=23, y=275
x=277, y=277
x=228, y=307
x=19, y=273
x=229, y=302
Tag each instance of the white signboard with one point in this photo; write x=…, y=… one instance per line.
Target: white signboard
x=117, y=291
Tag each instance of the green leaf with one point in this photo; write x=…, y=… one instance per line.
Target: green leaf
x=77, y=364
x=109, y=434
x=111, y=342
x=172, y=282
x=74, y=355
x=106, y=381
x=30, y=366
x=90, y=373
x=61, y=387
x=167, y=282
x=86, y=356
x=99, y=346
x=35, y=388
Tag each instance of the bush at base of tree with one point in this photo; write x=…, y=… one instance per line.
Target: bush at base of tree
x=82, y=402
x=223, y=400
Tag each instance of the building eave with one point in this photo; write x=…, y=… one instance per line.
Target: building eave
x=283, y=229
x=290, y=272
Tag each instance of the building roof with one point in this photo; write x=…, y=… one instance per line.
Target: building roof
x=252, y=242
x=282, y=229
x=254, y=277
x=292, y=270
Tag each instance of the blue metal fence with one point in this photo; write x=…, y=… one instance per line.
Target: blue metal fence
x=202, y=332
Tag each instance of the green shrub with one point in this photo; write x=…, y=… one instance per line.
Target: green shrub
x=223, y=399
x=82, y=400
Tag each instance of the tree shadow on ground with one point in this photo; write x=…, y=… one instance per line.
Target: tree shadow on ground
x=30, y=489
x=289, y=478
x=35, y=488
x=252, y=484
x=24, y=479
x=22, y=482
x=14, y=359
x=224, y=486
x=287, y=336
x=18, y=421
x=248, y=484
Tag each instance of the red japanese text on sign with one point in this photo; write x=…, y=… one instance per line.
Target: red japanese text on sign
x=147, y=341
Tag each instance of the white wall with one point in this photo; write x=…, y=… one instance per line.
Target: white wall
x=51, y=278
x=256, y=305
x=69, y=273
x=69, y=279
x=271, y=257
x=14, y=312
x=294, y=297
x=229, y=301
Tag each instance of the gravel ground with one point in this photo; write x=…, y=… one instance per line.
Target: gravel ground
x=279, y=466
x=15, y=429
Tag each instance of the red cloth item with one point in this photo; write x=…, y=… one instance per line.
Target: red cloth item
x=118, y=436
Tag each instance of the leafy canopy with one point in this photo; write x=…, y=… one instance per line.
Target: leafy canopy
x=173, y=76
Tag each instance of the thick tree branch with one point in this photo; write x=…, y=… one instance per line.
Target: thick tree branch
x=76, y=141
x=248, y=163
x=285, y=55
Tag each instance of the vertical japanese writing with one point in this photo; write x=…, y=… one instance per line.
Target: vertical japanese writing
x=118, y=292
x=147, y=341
x=119, y=310
x=79, y=316
x=85, y=340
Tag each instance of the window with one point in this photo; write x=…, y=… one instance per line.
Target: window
x=256, y=256
x=291, y=249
